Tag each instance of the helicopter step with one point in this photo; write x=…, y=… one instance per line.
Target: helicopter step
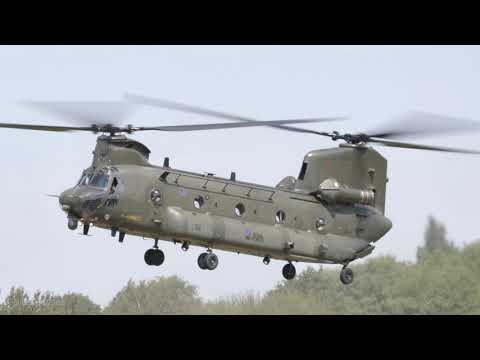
x=154, y=256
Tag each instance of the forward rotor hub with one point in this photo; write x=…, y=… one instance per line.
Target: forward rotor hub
x=350, y=138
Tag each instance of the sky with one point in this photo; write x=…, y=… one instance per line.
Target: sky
x=369, y=84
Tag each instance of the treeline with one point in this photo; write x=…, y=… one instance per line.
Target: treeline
x=444, y=279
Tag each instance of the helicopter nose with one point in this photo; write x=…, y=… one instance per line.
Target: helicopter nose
x=68, y=201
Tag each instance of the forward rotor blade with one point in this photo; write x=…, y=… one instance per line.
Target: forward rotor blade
x=43, y=127
x=86, y=112
x=405, y=145
x=417, y=123
x=172, y=105
x=225, y=125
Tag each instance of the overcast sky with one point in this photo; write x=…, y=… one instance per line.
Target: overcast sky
x=370, y=84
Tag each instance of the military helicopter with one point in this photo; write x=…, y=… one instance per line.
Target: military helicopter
x=331, y=213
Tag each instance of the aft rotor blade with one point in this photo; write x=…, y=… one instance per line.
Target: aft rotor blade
x=417, y=123
x=44, y=127
x=86, y=112
x=225, y=125
x=172, y=105
x=405, y=145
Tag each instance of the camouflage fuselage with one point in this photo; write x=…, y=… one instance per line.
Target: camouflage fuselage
x=219, y=213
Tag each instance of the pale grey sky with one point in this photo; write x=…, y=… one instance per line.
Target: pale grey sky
x=370, y=84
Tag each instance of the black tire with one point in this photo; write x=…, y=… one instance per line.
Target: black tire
x=289, y=271
x=149, y=255
x=211, y=261
x=158, y=257
x=201, y=261
x=346, y=276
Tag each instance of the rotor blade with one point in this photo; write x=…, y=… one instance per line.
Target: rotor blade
x=43, y=127
x=405, y=145
x=417, y=123
x=225, y=125
x=86, y=112
x=172, y=105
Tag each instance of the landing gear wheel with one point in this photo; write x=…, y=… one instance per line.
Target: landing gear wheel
x=149, y=254
x=185, y=246
x=211, y=261
x=201, y=261
x=289, y=271
x=154, y=257
x=266, y=260
x=346, y=276
x=158, y=257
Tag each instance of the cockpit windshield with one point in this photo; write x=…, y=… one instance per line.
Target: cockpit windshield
x=84, y=180
x=99, y=180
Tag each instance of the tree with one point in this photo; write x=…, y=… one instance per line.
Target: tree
x=164, y=295
x=435, y=239
x=18, y=302
x=78, y=304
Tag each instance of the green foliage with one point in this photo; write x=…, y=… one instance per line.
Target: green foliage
x=170, y=295
x=435, y=239
x=18, y=302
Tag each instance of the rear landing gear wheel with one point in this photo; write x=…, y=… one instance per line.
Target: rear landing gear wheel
x=201, y=261
x=289, y=271
x=346, y=276
x=207, y=261
x=211, y=261
x=154, y=257
x=266, y=260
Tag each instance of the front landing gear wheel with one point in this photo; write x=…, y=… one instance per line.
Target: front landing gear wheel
x=154, y=257
x=289, y=271
x=346, y=276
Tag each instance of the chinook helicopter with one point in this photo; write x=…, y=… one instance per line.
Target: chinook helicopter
x=331, y=213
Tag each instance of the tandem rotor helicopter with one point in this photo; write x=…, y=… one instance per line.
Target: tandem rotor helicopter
x=332, y=212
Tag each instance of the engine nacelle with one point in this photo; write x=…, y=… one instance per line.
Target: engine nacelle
x=331, y=191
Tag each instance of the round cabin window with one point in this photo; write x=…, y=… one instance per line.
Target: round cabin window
x=198, y=202
x=280, y=217
x=156, y=197
x=320, y=224
x=239, y=209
